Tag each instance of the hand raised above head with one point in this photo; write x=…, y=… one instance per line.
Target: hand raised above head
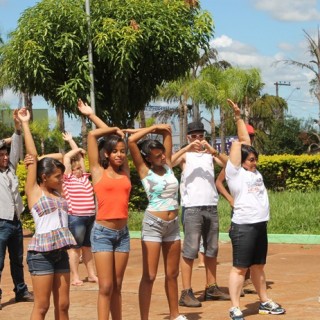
x=24, y=115
x=235, y=107
x=164, y=127
x=66, y=136
x=120, y=133
x=84, y=108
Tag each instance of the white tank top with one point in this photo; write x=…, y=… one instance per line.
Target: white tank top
x=199, y=182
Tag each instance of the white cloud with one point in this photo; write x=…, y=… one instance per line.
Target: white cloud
x=289, y=10
x=301, y=104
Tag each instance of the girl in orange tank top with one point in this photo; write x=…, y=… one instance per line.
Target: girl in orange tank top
x=110, y=239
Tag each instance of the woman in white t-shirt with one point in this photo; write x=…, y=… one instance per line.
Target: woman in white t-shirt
x=248, y=230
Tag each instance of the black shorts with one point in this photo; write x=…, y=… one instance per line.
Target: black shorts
x=249, y=244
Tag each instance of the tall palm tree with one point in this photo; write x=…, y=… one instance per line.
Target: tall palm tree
x=313, y=65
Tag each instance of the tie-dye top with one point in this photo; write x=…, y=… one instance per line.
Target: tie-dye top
x=162, y=191
x=51, y=223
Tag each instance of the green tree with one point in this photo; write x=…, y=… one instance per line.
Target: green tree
x=284, y=138
x=312, y=65
x=137, y=44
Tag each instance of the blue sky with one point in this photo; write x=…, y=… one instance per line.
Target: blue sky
x=248, y=33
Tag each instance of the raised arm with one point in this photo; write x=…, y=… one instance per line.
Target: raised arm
x=67, y=136
x=138, y=161
x=31, y=182
x=242, y=131
x=93, y=152
x=235, y=152
x=87, y=111
x=16, y=141
x=67, y=159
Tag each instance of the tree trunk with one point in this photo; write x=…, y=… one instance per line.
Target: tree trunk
x=195, y=112
x=213, y=129
x=84, y=134
x=60, y=120
x=27, y=100
x=181, y=120
x=246, y=110
x=222, y=130
x=143, y=123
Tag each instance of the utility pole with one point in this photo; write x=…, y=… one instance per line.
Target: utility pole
x=90, y=59
x=281, y=83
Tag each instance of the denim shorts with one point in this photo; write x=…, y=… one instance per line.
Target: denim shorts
x=104, y=239
x=201, y=221
x=249, y=244
x=80, y=227
x=157, y=230
x=42, y=263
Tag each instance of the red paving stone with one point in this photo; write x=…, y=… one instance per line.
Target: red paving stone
x=292, y=271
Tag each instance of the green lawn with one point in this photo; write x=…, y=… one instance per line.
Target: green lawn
x=291, y=213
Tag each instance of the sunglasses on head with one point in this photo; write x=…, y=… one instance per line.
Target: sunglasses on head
x=195, y=136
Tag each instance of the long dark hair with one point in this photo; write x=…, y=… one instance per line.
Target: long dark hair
x=106, y=145
x=47, y=166
x=145, y=147
x=246, y=150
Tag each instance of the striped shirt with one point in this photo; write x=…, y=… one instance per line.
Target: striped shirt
x=79, y=195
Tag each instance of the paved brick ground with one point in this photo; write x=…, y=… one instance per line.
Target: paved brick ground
x=293, y=273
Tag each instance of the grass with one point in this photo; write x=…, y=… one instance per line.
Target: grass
x=291, y=213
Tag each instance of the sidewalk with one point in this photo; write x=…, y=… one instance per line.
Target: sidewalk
x=293, y=274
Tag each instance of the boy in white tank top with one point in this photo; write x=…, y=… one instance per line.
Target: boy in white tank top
x=200, y=199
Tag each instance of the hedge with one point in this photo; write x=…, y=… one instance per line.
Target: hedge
x=280, y=172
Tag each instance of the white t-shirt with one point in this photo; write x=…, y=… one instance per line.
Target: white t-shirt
x=199, y=187
x=251, y=202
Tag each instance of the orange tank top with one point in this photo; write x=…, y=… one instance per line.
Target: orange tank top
x=113, y=197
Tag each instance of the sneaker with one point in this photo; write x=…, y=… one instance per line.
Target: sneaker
x=236, y=314
x=27, y=296
x=248, y=287
x=271, y=307
x=188, y=299
x=181, y=317
x=213, y=292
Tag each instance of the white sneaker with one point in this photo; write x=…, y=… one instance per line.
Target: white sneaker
x=181, y=317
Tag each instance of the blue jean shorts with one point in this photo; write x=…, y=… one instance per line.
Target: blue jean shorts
x=42, y=263
x=157, y=230
x=80, y=227
x=104, y=239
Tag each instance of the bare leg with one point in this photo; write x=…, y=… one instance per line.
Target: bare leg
x=74, y=258
x=171, y=257
x=186, y=272
x=259, y=281
x=236, y=279
x=88, y=261
x=120, y=264
x=42, y=287
x=211, y=269
x=104, y=264
x=61, y=291
x=150, y=257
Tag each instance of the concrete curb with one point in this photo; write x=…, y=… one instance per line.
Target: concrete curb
x=273, y=238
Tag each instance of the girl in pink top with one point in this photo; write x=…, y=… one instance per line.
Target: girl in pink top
x=47, y=257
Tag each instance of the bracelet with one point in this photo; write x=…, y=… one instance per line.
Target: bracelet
x=217, y=153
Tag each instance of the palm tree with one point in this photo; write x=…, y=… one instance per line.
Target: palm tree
x=313, y=65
